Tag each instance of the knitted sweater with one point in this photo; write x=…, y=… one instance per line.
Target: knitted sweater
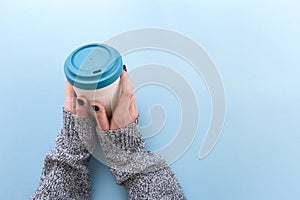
x=65, y=175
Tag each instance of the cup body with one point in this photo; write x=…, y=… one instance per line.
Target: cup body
x=108, y=96
x=94, y=71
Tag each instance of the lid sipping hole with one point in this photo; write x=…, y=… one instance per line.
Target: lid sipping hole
x=97, y=71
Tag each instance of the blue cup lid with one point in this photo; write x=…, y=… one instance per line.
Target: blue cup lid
x=93, y=66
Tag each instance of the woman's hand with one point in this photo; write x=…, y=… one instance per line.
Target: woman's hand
x=125, y=112
x=79, y=106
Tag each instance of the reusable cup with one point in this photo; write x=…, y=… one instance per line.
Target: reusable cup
x=94, y=71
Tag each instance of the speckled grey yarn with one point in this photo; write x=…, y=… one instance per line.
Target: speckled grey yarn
x=144, y=174
x=125, y=152
x=65, y=174
x=86, y=129
x=158, y=185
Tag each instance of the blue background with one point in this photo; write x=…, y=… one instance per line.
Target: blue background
x=254, y=44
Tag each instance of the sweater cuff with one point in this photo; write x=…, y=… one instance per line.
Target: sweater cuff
x=124, y=150
x=86, y=129
x=70, y=140
x=127, y=138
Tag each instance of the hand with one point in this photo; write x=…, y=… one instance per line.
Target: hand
x=79, y=107
x=125, y=112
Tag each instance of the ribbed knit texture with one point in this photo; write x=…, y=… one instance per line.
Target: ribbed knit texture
x=144, y=174
x=65, y=175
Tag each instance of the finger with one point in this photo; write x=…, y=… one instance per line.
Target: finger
x=82, y=107
x=69, y=91
x=126, y=81
x=70, y=98
x=133, y=110
x=100, y=116
x=123, y=73
x=73, y=104
x=127, y=90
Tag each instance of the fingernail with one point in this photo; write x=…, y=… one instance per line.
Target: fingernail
x=80, y=102
x=95, y=108
x=124, y=67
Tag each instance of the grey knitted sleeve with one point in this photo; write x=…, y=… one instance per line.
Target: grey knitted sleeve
x=65, y=174
x=144, y=174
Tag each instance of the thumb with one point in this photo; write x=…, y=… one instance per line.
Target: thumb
x=82, y=107
x=100, y=116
